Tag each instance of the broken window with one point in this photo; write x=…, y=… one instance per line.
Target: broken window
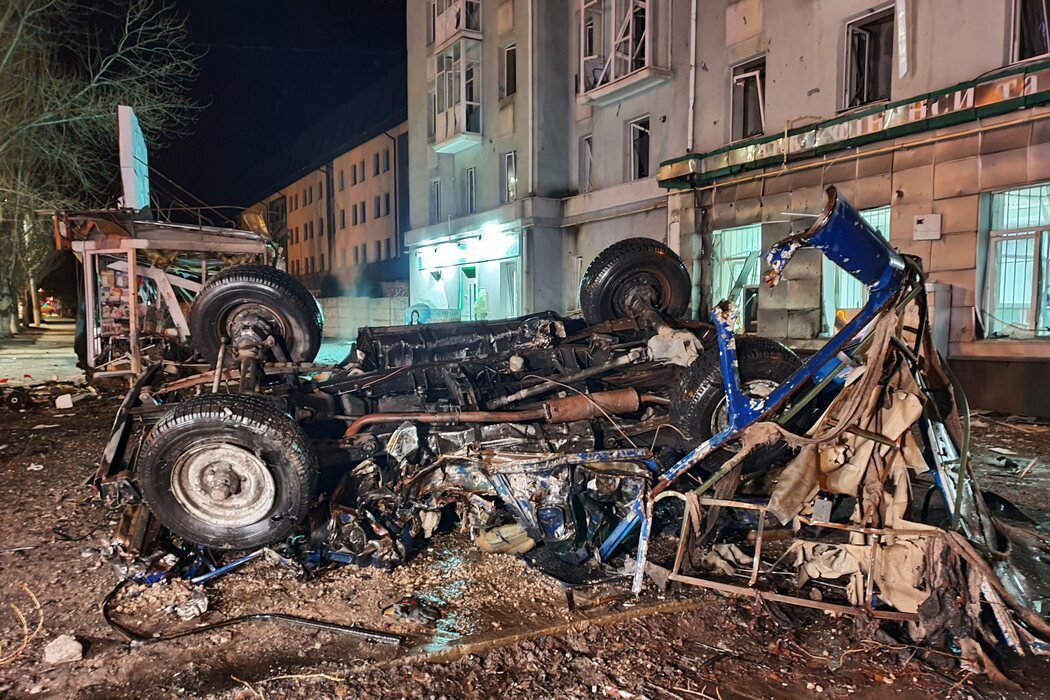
x=638, y=152
x=1030, y=29
x=457, y=89
x=1017, y=295
x=843, y=294
x=509, y=177
x=586, y=162
x=435, y=201
x=870, y=46
x=749, y=97
x=615, y=39
x=736, y=255
x=509, y=81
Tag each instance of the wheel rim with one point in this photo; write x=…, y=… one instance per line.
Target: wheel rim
x=637, y=279
x=251, y=315
x=754, y=389
x=223, y=484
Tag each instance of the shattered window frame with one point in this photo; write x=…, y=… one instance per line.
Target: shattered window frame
x=1031, y=30
x=735, y=251
x=748, y=93
x=867, y=70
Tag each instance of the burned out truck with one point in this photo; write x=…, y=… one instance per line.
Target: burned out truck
x=573, y=440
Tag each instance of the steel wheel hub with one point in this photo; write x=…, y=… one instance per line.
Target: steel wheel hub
x=223, y=485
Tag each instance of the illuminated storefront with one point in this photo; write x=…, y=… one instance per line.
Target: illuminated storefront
x=475, y=275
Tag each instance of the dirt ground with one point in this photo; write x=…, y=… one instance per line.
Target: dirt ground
x=505, y=630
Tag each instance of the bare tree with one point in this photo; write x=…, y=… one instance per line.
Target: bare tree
x=65, y=65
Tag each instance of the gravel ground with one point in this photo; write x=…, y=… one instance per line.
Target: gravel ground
x=505, y=630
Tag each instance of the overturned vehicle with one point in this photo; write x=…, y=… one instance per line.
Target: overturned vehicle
x=576, y=440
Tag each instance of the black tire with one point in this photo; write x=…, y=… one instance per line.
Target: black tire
x=625, y=265
x=17, y=399
x=244, y=425
x=288, y=304
x=700, y=398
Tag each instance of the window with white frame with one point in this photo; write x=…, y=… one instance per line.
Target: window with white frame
x=749, y=98
x=615, y=40
x=638, y=148
x=470, y=191
x=1031, y=34
x=435, y=201
x=1016, y=289
x=457, y=90
x=451, y=16
x=509, y=71
x=870, y=46
x=843, y=294
x=586, y=162
x=509, y=177
x=736, y=255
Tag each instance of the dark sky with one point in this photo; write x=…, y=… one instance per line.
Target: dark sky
x=273, y=68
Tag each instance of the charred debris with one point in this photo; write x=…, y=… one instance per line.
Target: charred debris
x=622, y=443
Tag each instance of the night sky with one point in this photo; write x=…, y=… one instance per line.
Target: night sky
x=273, y=68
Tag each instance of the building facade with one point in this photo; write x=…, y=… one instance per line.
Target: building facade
x=935, y=130
x=345, y=220
x=544, y=130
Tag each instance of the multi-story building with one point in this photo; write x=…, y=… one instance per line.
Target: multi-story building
x=342, y=206
x=538, y=128
x=930, y=117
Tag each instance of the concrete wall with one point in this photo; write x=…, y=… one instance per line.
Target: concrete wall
x=344, y=316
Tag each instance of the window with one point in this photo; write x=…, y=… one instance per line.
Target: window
x=470, y=191
x=341, y=183
x=386, y=204
x=342, y=218
x=749, y=97
x=386, y=159
x=431, y=20
x=638, y=155
x=353, y=174
x=869, y=59
x=357, y=256
x=295, y=239
x=310, y=226
x=615, y=40
x=304, y=197
x=375, y=164
x=320, y=227
x=586, y=162
x=388, y=249
x=320, y=190
x=363, y=217
x=377, y=210
x=342, y=257
x=435, y=201
x=1030, y=29
x=361, y=166
x=509, y=73
x=1016, y=289
x=313, y=267
x=364, y=253
x=353, y=214
x=431, y=113
x=379, y=251
x=844, y=294
x=735, y=269
x=510, y=177
x=310, y=196
x=322, y=262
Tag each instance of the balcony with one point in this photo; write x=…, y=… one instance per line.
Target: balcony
x=455, y=97
x=452, y=18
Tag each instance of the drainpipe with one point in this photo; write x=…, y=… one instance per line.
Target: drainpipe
x=532, y=101
x=692, y=78
x=397, y=197
x=697, y=245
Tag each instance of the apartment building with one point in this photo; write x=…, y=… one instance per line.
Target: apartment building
x=340, y=204
x=541, y=131
x=528, y=170
x=931, y=118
